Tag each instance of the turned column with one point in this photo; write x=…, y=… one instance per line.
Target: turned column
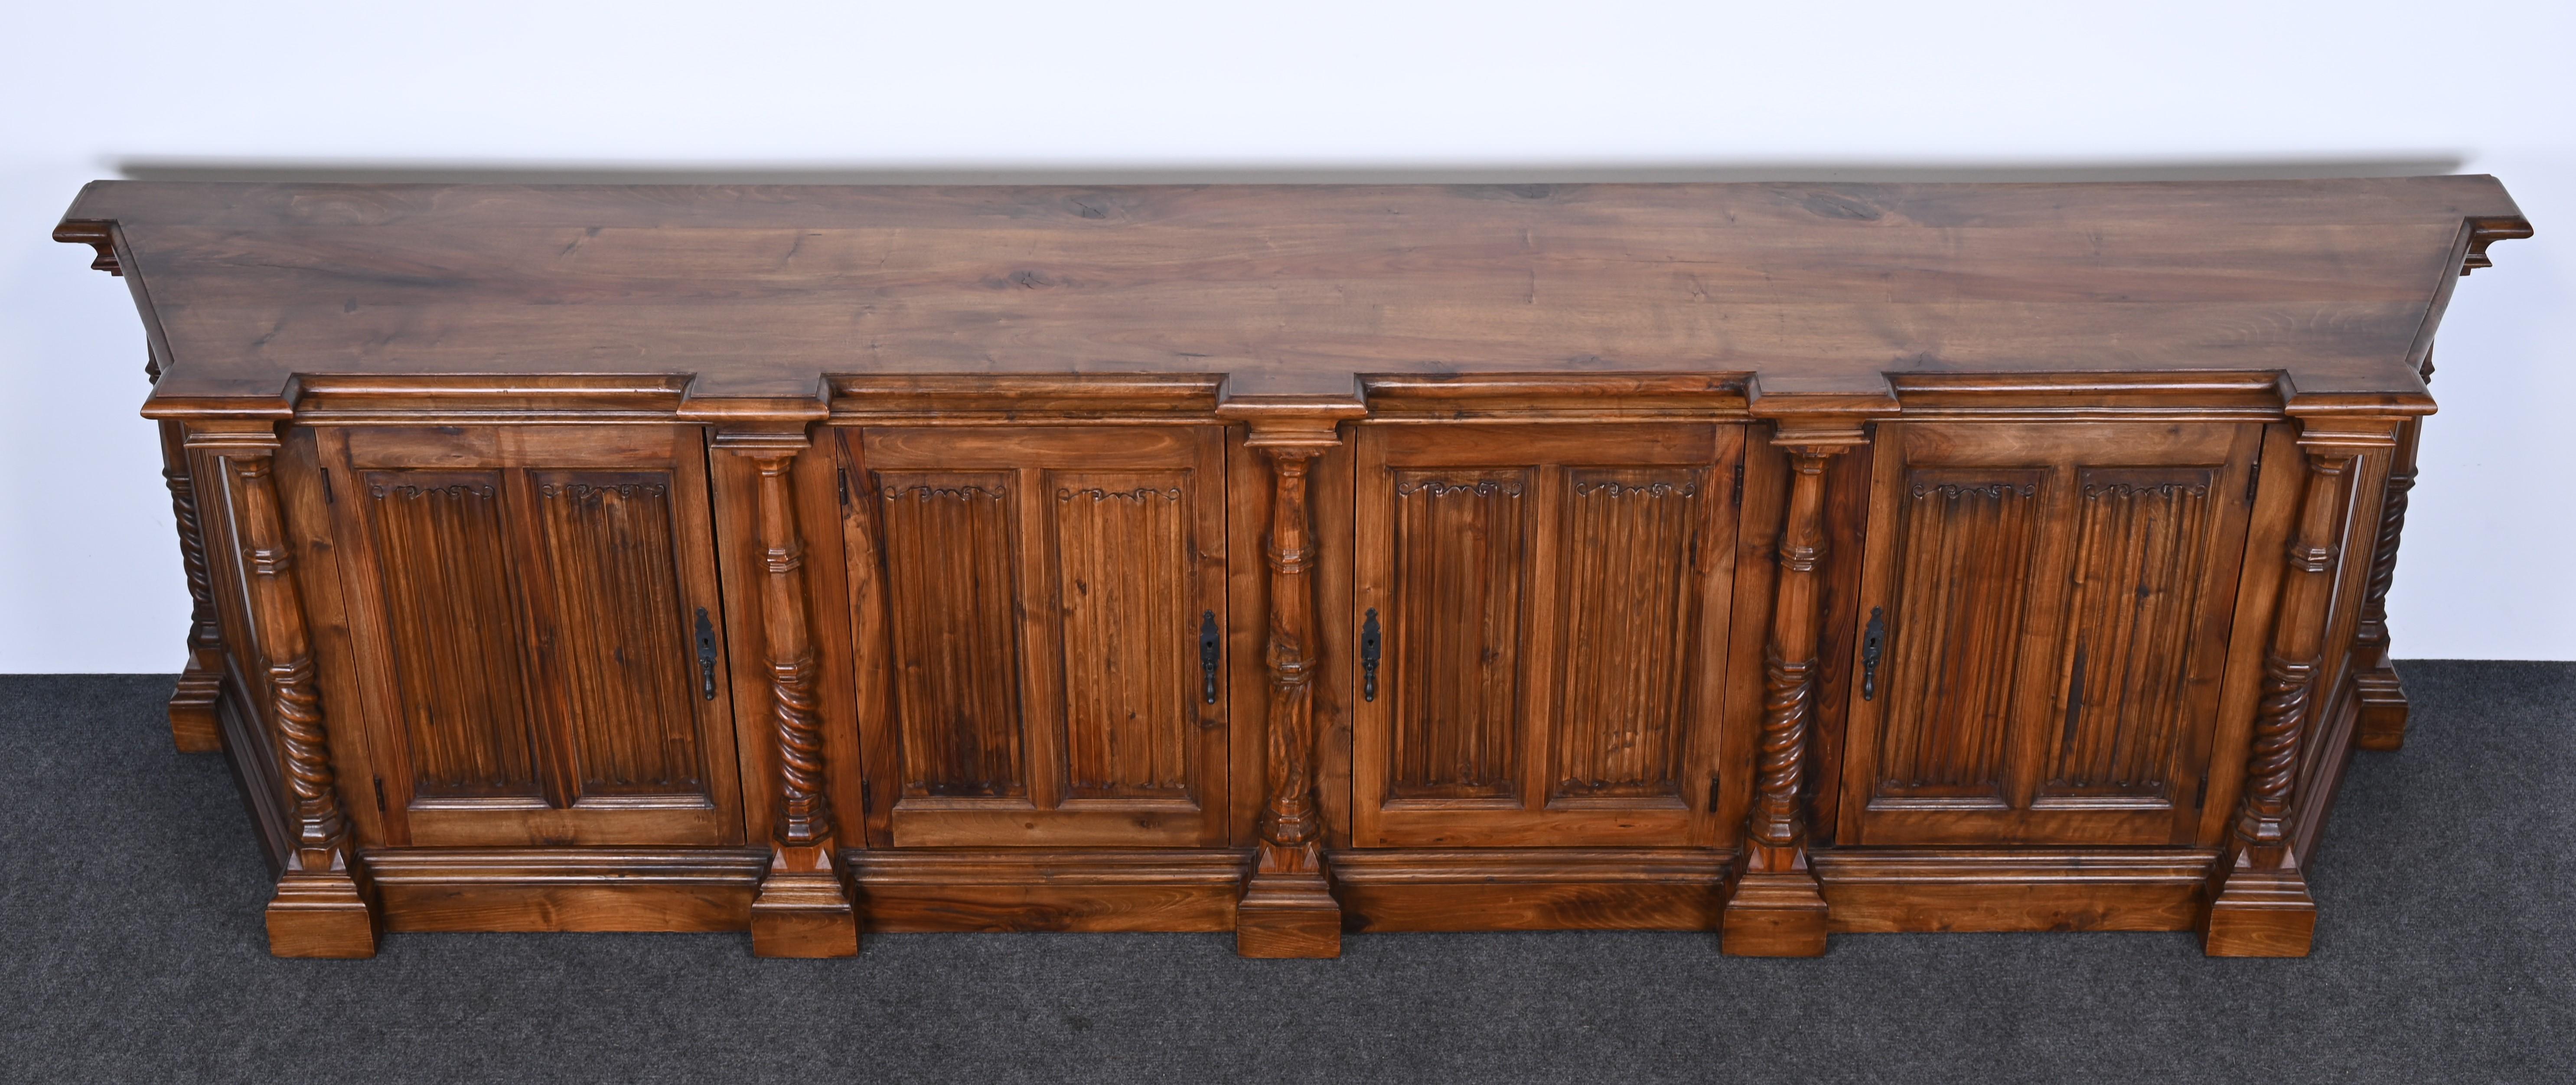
x=1287, y=909
x=804, y=906
x=2258, y=901
x=2382, y=723
x=194, y=727
x=320, y=908
x=1777, y=909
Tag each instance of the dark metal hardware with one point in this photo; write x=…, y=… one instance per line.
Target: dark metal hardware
x=328, y=498
x=1371, y=645
x=1737, y=498
x=1873, y=643
x=706, y=654
x=2200, y=791
x=1209, y=646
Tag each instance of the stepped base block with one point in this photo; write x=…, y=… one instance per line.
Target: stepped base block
x=1288, y=915
x=1774, y=915
x=194, y=727
x=2259, y=913
x=320, y=915
x=2383, y=710
x=803, y=913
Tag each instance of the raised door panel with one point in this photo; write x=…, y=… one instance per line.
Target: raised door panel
x=615, y=635
x=1550, y=602
x=1964, y=550
x=448, y=608
x=1461, y=592
x=1630, y=603
x=1045, y=592
x=955, y=632
x=526, y=604
x=2049, y=609
x=1122, y=550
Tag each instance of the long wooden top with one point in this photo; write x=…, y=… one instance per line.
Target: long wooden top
x=250, y=291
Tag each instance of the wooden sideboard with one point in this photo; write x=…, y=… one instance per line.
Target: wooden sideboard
x=1766, y=559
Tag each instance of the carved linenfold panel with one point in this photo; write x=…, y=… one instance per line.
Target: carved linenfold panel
x=1123, y=567
x=952, y=601
x=455, y=632
x=2141, y=551
x=620, y=646
x=1461, y=575
x=1966, y=541
x=1628, y=605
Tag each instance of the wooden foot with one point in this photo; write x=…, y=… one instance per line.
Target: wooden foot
x=320, y=914
x=193, y=726
x=803, y=911
x=1288, y=916
x=2383, y=709
x=2259, y=913
x=1774, y=915
x=1288, y=908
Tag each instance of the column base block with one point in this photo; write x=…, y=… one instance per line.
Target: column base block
x=1285, y=915
x=193, y=725
x=320, y=914
x=2382, y=725
x=1772, y=914
x=803, y=913
x=2259, y=913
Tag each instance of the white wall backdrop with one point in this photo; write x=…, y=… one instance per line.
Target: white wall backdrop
x=89, y=575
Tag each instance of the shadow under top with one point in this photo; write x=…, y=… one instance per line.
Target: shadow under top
x=251, y=291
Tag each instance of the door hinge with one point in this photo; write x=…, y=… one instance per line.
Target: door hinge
x=1736, y=498
x=845, y=487
x=327, y=497
x=1712, y=794
x=2253, y=476
x=380, y=795
x=2200, y=791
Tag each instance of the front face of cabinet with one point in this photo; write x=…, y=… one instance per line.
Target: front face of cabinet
x=1041, y=615
x=1549, y=605
x=527, y=604
x=2047, y=612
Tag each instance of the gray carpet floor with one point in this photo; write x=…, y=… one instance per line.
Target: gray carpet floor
x=134, y=951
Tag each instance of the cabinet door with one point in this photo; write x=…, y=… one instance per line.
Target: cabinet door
x=1550, y=604
x=2049, y=606
x=528, y=603
x=1040, y=605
